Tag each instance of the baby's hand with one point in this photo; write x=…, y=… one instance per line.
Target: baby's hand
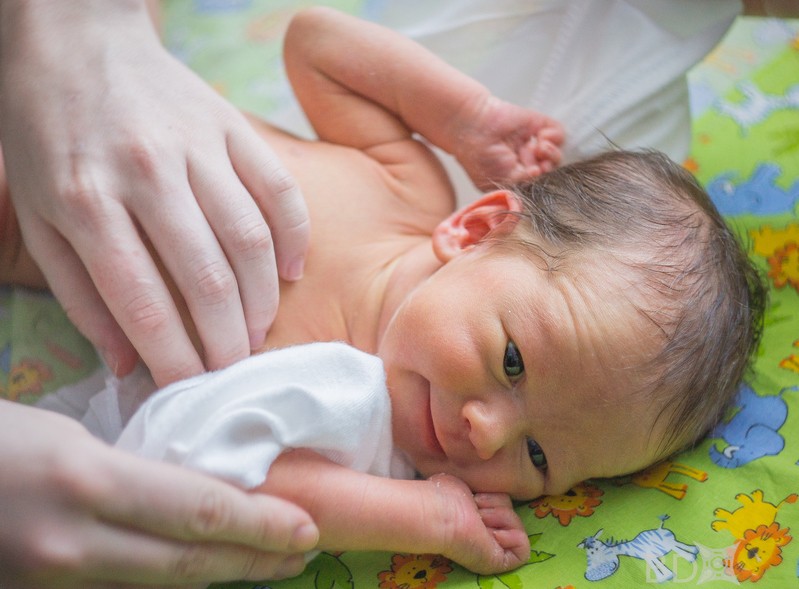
x=501, y=143
x=482, y=532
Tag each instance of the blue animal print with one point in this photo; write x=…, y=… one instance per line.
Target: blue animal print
x=752, y=431
x=649, y=546
x=757, y=106
x=759, y=194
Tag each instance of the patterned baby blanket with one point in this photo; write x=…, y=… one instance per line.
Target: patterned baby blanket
x=723, y=513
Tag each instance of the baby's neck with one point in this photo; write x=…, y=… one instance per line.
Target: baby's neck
x=356, y=309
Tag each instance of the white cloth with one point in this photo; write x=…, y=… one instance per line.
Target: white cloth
x=102, y=402
x=233, y=423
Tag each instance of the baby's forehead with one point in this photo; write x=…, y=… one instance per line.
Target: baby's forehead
x=615, y=330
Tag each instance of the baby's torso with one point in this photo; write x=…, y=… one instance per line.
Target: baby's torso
x=364, y=214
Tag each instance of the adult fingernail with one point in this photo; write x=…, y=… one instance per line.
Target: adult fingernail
x=110, y=360
x=295, y=269
x=305, y=538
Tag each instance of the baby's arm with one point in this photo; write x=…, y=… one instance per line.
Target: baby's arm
x=365, y=86
x=357, y=511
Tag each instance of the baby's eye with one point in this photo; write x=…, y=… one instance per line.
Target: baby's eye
x=512, y=363
x=537, y=456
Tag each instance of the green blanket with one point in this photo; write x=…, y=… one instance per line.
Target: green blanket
x=725, y=512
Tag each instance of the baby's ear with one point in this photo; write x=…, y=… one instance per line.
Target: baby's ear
x=471, y=224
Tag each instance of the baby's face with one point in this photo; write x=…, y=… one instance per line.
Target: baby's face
x=517, y=380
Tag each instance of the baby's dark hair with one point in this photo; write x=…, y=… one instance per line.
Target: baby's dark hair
x=695, y=281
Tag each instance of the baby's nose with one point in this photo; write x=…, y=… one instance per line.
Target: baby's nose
x=487, y=428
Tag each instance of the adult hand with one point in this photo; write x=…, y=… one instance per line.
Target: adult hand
x=114, y=149
x=75, y=512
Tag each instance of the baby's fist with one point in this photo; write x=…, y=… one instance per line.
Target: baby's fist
x=502, y=143
x=485, y=535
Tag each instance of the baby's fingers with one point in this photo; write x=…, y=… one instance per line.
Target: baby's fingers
x=515, y=545
x=553, y=133
x=548, y=155
x=496, y=511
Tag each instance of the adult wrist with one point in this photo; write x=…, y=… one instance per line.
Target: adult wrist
x=26, y=25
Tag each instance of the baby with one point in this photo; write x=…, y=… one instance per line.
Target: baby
x=571, y=323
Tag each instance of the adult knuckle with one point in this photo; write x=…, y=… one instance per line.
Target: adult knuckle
x=78, y=480
x=214, y=283
x=80, y=194
x=48, y=550
x=248, y=569
x=190, y=563
x=281, y=184
x=82, y=202
x=146, y=159
x=210, y=515
x=146, y=312
x=263, y=532
x=251, y=237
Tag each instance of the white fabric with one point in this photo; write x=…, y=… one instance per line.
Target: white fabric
x=606, y=69
x=102, y=402
x=233, y=423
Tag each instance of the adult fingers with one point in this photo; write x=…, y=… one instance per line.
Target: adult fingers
x=184, y=505
x=191, y=252
x=277, y=194
x=246, y=240
x=122, y=555
x=74, y=289
x=132, y=287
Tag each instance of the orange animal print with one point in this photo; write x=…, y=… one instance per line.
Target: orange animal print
x=758, y=536
x=758, y=551
x=577, y=501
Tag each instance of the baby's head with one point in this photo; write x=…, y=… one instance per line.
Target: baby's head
x=677, y=262
x=583, y=325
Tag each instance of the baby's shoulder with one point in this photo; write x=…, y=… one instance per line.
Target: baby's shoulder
x=414, y=176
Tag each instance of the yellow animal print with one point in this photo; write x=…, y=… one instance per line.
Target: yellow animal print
x=766, y=240
x=654, y=477
x=753, y=513
x=27, y=377
x=792, y=361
